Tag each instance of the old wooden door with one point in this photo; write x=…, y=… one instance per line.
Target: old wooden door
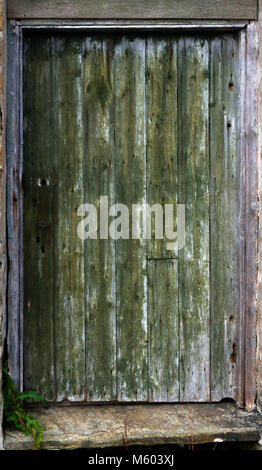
x=136, y=118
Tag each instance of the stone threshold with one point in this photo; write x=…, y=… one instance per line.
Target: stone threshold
x=98, y=426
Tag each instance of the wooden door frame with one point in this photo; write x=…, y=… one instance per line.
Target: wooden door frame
x=248, y=184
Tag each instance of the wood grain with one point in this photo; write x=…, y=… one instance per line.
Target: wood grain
x=241, y=243
x=38, y=224
x=130, y=176
x=138, y=120
x=13, y=211
x=68, y=265
x=224, y=131
x=163, y=330
x=251, y=219
x=180, y=9
x=99, y=161
x=161, y=99
x=163, y=320
x=193, y=191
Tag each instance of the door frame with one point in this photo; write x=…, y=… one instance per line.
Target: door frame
x=248, y=184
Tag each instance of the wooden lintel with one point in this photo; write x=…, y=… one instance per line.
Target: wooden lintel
x=176, y=9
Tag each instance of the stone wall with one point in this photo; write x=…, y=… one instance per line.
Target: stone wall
x=2, y=199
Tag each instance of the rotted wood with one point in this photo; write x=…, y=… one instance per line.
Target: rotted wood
x=181, y=9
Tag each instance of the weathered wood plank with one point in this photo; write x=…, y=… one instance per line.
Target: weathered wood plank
x=68, y=270
x=136, y=24
x=193, y=180
x=13, y=215
x=99, y=254
x=130, y=168
x=251, y=217
x=100, y=107
x=240, y=363
x=163, y=330
x=259, y=241
x=38, y=228
x=161, y=75
x=224, y=131
x=183, y=9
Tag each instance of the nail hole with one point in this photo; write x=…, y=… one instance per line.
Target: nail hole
x=233, y=356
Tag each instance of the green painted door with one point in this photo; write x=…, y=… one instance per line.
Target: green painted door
x=149, y=119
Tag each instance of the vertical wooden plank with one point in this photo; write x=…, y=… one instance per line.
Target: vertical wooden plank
x=193, y=180
x=163, y=337
x=241, y=170
x=13, y=196
x=99, y=253
x=259, y=169
x=163, y=330
x=68, y=271
x=131, y=276
x=38, y=228
x=251, y=218
x=224, y=131
x=161, y=74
